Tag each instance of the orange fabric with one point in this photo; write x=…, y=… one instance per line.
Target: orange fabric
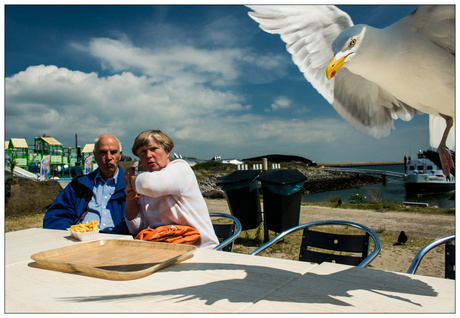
x=178, y=234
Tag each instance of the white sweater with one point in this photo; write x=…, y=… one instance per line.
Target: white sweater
x=172, y=196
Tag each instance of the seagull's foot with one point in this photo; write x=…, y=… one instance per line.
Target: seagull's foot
x=446, y=161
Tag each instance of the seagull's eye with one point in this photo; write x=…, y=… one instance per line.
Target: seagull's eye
x=352, y=42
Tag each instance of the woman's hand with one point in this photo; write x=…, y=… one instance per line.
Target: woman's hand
x=129, y=173
x=130, y=192
x=131, y=208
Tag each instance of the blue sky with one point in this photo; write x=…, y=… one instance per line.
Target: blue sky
x=204, y=74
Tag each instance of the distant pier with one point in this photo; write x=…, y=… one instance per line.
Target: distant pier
x=365, y=163
x=381, y=173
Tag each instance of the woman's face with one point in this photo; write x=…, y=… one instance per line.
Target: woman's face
x=152, y=156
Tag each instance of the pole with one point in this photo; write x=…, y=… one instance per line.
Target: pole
x=264, y=164
x=266, y=233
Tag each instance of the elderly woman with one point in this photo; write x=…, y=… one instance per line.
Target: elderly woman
x=167, y=194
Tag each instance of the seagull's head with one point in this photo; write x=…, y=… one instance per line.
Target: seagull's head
x=345, y=46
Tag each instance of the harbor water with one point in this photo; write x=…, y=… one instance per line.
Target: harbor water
x=392, y=191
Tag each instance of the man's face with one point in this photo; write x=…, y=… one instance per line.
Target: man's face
x=107, y=153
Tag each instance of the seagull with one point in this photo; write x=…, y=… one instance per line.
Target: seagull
x=373, y=76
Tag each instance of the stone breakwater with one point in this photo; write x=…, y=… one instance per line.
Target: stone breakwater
x=317, y=181
x=322, y=181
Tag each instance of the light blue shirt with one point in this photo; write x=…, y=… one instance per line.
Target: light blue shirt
x=97, y=207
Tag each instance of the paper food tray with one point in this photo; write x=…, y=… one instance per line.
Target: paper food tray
x=84, y=236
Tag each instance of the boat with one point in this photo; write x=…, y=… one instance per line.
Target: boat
x=424, y=176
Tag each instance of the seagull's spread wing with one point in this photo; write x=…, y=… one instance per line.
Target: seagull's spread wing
x=436, y=23
x=308, y=32
x=366, y=106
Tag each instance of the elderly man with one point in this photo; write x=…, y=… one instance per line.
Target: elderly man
x=98, y=196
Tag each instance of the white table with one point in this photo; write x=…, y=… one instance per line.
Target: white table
x=336, y=288
x=213, y=281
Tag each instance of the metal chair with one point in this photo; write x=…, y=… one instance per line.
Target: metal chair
x=332, y=242
x=449, y=269
x=227, y=233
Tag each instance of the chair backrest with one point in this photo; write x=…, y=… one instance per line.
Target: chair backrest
x=449, y=252
x=449, y=268
x=356, y=247
x=350, y=244
x=226, y=233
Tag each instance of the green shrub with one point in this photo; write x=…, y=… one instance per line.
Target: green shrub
x=334, y=199
x=357, y=198
x=211, y=168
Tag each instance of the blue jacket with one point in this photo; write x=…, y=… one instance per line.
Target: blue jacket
x=71, y=202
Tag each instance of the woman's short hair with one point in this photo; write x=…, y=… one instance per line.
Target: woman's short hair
x=144, y=138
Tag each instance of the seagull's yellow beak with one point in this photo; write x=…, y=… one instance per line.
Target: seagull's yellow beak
x=334, y=66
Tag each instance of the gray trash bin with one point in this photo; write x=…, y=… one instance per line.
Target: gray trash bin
x=242, y=192
x=282, y=197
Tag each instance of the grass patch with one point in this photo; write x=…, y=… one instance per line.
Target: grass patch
x=16, y=223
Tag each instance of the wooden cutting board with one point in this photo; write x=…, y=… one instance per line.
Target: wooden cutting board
x=114, y=259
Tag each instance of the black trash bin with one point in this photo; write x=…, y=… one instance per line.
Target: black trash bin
x=282, y=197
x=242, y=192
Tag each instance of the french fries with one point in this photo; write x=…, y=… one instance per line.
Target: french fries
x=85, y=227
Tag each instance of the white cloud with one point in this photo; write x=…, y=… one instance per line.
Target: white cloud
x=61, y=103
x=281, y=102
x=215, y=66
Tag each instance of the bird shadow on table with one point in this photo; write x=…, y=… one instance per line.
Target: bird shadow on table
x=323, y=287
